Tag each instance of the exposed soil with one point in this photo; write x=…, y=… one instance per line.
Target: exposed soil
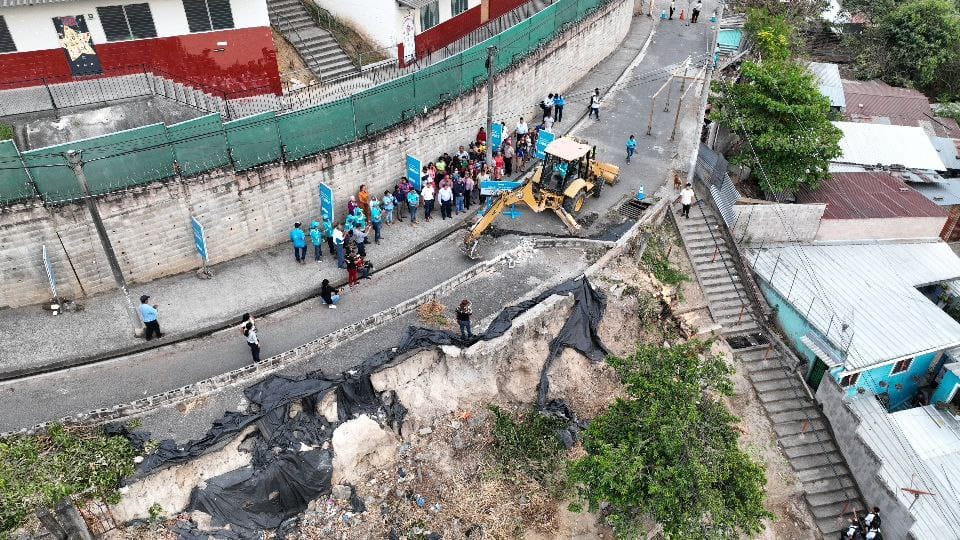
x=293, y=70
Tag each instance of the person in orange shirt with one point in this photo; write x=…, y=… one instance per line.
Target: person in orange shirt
x=364, y=198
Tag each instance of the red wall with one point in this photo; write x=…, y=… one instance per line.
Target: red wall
x=247, y=66
x=455, y=28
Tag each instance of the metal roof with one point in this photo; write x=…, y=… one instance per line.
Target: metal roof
x=876, y=144
x=568, y=149
x=949, y=151
x=828, y=80
x=415, y=3
x=18, y=3
x=866, y=195
x=878, y=102
x=863, y=297
x=918, y=448
x=946, y=193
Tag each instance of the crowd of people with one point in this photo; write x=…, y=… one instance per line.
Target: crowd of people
x=863, y=527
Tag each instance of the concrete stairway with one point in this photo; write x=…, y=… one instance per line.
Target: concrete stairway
x=802, y=430
x=316, y=46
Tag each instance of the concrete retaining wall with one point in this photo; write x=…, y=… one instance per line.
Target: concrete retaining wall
x=763, y=223
x=252, y=210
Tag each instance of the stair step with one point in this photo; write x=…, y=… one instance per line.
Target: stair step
x=796, y=427
x=767, y=375
x=810, y=413
x=831, y=484
x=829, y=498
x=743, y=328
x=797, y=452
x=780, y=395
x=812, y=436
x=816, y=462
x=780, y=383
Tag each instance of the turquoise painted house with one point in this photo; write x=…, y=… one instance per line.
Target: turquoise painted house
x=868, y=315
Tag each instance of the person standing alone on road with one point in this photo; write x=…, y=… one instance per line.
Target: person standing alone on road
x=558, y=103
x=250, y=332
x=631, y=147
x=299, y=243
x=673, y=7
x=687, y=197
x=464, y=312
x=595, y=104
x=149, y=315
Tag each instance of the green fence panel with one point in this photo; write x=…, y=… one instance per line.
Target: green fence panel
x=436, y=83
x=301, y=132
x=565, y=13
x=514, y=45
x=111, y=162
x=382, y=106
x=14, y=180
x=199, y=144
x=542, y=27
x=253, y=140
x=337, y=125
x=473, y=71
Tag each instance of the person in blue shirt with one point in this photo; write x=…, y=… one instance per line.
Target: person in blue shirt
x=315, y=238
x=376, y=219
x=328, y=233
x=631, y=147
x=149, y=315
x=299, y=243
x=413, y=201
x=558, y=103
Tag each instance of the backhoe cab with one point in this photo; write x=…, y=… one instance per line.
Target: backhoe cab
x=561, y=183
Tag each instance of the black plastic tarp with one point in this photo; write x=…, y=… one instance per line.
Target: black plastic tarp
x=289, y=466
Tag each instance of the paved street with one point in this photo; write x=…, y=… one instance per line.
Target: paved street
x=267, y=278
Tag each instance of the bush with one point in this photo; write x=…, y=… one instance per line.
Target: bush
x=6, y=132
x=38, y=471
x=528, y=445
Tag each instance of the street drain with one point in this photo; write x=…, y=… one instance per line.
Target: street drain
x=739, y=342
x=633, y=208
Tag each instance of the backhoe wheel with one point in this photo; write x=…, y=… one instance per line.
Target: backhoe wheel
x=573, y=205
x=597, y=186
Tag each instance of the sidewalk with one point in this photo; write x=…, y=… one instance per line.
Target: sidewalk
x=34, y=341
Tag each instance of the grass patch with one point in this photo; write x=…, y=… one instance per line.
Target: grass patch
x=656, y=257
x=527, y=445
x=6, y=132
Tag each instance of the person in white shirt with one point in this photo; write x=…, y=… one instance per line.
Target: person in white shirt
x=446, y=201
x=520, y=130
x=595, y=104
x=427, y=194
x=547, y=106
x=338, y=244
x=686, y=198
x=250, y=332
x=548, y=124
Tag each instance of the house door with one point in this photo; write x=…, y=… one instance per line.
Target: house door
x=816, y=373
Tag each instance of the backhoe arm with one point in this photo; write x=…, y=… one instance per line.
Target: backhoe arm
x=503, y=201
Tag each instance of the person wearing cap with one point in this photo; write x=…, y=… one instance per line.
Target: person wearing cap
x=315, y=238
x=299, y=243
x=149, y=315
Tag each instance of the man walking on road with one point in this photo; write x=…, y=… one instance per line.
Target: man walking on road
x=149, y=315
x=686, y=198
x=250, y=333
x=299, y=243
x=631, y=147
x=695, y=14
x=595, y=104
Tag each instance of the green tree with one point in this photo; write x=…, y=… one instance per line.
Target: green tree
x=787, y=139
x=921, y=36
x=670, y=449
x=773, y=35
x=37, y=471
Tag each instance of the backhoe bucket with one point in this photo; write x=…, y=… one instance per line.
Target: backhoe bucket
x=471, y=247
x=608, y=171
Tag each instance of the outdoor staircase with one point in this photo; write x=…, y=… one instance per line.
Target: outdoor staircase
x=316, y=46
x=803, y=432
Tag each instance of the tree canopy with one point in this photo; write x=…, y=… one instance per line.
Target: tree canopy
x=669, y=450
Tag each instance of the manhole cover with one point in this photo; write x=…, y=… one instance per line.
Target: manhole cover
x=760, y=339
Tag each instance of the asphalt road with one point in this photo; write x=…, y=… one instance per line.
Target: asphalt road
x=26, y=402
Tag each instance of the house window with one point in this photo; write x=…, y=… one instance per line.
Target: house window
x=206, y=15
x=132, y=21
x=849, y=380
x=901, y=366
x=429, y=15
x=457, y=7
x=6, y=40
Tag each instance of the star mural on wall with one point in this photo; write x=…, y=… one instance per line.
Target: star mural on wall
x=76, y=43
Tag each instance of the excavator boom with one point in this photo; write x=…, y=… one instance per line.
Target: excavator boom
x=471, y=241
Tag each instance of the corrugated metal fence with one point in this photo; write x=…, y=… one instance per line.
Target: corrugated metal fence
x=128, y=158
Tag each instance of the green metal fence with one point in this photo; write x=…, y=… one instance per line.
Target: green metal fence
x=128, y=158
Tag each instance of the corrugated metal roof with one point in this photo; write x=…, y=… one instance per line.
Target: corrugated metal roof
x=918, y=448
x=865, y=195
x=17, y=3
x=869, y=288
x=415, y=3
x=828, y=80
x=949, y=151
x=875, y=144
x=876, y=101
x=946, y=193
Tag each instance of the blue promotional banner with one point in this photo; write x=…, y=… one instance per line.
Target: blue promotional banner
x=326, y=202
x=496, y=136
x=413, y=171
x=50, y=277
x=198, y=238
x=496, y=187
x=543, y=139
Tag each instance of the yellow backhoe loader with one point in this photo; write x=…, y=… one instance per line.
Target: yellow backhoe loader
x=561, y=183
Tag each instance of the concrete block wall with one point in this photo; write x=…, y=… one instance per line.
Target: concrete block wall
x=244, y=212
x=863, y=462
x=762, y=223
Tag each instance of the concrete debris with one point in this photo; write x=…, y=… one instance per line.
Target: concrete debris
x=341, y=492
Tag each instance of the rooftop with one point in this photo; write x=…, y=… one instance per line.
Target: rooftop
x=946, y=193
x=863, y=297
x=878, y=144
x=878, y=102
x=866, y=195
x=829, y=83
x=949, y=150
x=919, y=448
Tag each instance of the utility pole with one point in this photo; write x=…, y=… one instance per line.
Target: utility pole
x=73, y=158
x=705, y=97
x=491, y=68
